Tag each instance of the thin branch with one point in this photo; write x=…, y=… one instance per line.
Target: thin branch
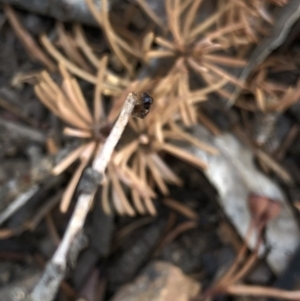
x=18, y=203
x=104, y=154
x=23, y=131
x=55, y=271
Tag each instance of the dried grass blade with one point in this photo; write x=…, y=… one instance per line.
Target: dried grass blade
x=66, y=162
x=248, y=28
x=191, y=139
x=181, y=228
x=45, y=99
x=77, y=133
x=93, y=9
x=137, y=201
x=166, y=84
x=159, y=130
x=71, y=51
x=150, y=206
x=223, y=31
x=165, y=43
x=61, y=59
x=211, y=78
x=112, y=38
x=52, y=95
x=129, y=48
x=291, y=96
x=104, y=198
x=184, y=113
x=84, y=46
x=224, y=60
x=174, y=22
x=157, y=176
x=261, y=291
x=115, y=198
x=171, y=110
x=80, y=98
x=98, y=106
x=224, y=74
x=210, y=125
x=195, y=66
x=68, y=194
x=184, y=5
x=274, y=166
x=151, y=14
x=112, y=81
x=120, y=194
x=260, y=99
x=76, y=103
x=35, y=52
x=125, y=153
x=195, y=98
x=70, y=116
x=138, y=184
x=45, y=76
x=134, y=193
x=192, y=111
x=147, y=41
x=165, y=170
x=183, y=86
x=201, y=93
x=85, y=156
x=207, y=23
x=142, y=172
x=159, y=54
x=181, y=208
x=117, y=202
x=190, y=17
x=169, y=11
x=182, y=155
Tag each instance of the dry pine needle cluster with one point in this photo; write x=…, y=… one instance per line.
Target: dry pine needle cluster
x=207, y=47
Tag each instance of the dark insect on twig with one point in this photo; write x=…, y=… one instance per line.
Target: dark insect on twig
x=143, y=105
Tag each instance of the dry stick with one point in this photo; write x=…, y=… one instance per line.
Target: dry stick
x=55, y=271
x=104, y=154
x=18, y=203
x=22, y=131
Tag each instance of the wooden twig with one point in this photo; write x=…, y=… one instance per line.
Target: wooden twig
x=18, y=203
x=23, y=131
x=55, y=271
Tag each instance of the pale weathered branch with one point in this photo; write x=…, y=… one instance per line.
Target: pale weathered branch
x=55, y=271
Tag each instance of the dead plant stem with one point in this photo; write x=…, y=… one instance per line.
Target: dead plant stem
x=58, y=263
